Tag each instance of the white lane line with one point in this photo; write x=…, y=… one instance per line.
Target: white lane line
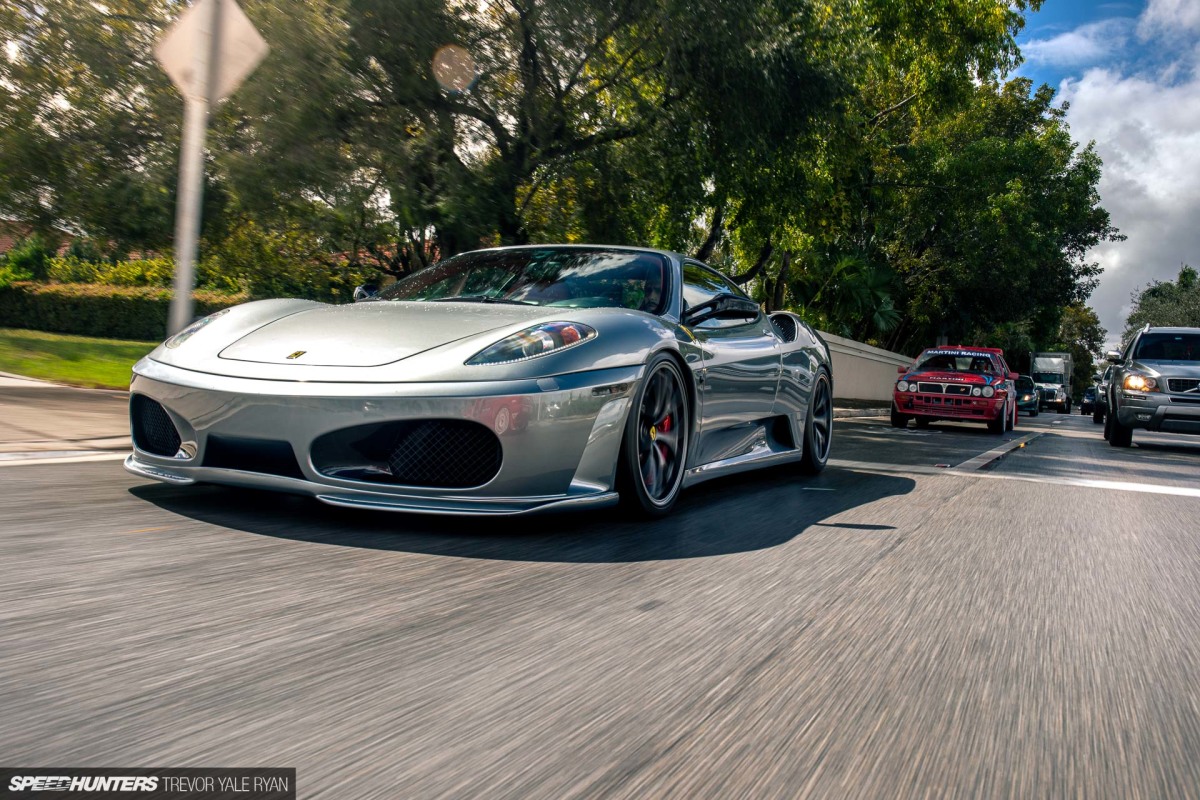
x=37, y=459
x=1086, y=483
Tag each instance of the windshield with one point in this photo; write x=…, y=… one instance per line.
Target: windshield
x=1169, y=347
x=1048, y=377
x=954, y=362
x=558, y=277
x=1024, y=384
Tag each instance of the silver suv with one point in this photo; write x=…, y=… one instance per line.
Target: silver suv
x=1155, y=385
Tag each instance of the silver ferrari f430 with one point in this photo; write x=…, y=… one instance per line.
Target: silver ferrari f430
x=500, y=381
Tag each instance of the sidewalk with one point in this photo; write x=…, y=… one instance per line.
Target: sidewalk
x=40, y=417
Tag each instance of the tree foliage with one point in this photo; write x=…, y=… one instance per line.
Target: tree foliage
x=863, y=163
x=1167, y=303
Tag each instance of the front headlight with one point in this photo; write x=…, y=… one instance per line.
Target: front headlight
x=193, y=329
x=1026, y=397
x=1140, y=383
x=988, y=391
x=976, y=391
x=902, y=386
x=548, y=337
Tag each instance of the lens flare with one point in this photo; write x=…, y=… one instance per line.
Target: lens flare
x=453, y=68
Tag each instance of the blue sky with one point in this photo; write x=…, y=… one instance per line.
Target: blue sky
x=1128, y=68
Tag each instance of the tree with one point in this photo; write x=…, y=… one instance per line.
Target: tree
x=1173, y=303
x=88, y=123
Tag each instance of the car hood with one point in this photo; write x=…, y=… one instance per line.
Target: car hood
x=370, y=334
x=1175, y=369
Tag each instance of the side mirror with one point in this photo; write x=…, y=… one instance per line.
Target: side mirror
x=901, y=370
x=722, y=306
x=1113, y=357
x=1012, y=376
x=365, y=292
x=1096, y=378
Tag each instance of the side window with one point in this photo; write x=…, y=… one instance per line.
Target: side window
x=1129, y=348
x=701, y=284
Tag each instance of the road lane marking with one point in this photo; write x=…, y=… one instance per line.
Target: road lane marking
x=1085, y=483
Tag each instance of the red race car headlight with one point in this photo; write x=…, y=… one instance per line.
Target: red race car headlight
x=548, y=337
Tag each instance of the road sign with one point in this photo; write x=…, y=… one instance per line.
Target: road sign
x=241, y=48
x=208, y=52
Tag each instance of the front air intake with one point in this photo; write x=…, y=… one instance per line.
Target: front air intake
x=153, y=430
x=446, y=453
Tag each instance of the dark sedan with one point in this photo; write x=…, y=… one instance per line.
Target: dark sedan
x=1029, y=397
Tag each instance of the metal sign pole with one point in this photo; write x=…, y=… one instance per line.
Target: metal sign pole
x=191, y=163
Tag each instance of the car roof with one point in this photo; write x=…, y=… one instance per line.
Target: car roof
x=1170, y=329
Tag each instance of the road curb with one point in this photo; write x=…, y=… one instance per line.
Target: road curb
x=850, y=413
x=984, y=459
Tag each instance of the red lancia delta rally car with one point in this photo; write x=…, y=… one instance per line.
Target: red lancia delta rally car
x=972, y=384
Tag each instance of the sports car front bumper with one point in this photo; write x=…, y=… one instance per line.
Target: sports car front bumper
x=559, y=437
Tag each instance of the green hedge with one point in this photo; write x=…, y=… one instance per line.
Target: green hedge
x=113, y=312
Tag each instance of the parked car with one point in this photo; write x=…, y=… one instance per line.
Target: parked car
x=970, y=384
x=1029, y=396
x=1100, y=411
x=1087, y=404
x=1155, y=385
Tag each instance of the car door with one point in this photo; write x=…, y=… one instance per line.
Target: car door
x=741, y=369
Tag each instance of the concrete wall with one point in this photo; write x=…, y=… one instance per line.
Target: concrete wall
x=862, y=372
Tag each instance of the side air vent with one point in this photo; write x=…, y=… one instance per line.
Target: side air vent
x=153, y=431
x=785, y=326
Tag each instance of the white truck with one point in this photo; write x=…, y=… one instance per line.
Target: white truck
x=1052, y=375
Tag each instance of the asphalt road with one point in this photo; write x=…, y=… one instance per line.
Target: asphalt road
x=1026, y=627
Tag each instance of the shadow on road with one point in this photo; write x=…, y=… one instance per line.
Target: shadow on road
x=737, y=514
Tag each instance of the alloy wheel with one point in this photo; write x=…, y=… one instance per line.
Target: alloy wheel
x=660, y=435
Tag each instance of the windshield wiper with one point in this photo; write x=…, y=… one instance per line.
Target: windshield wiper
x=481, y=298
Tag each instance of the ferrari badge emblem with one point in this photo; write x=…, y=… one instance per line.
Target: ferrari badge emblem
x=297, y=354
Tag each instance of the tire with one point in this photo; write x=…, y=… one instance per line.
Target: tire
x=998, y=425
x=650, y=472
x=1068, y=411
x=1016, y=415
x=818, y=428
x=1118, y=435
x=1097, y=415
x=898, y=420
x=923, y=422
x=1035, y=412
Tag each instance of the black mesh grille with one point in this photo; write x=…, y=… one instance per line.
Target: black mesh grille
x=153, y=430
x=958, y=388
x=931, y=388
x=452, y=454
x=1182, y=384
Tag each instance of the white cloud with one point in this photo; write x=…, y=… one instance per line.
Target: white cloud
x=1170, y=18
x=1088, y=44
x=1147, y=131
